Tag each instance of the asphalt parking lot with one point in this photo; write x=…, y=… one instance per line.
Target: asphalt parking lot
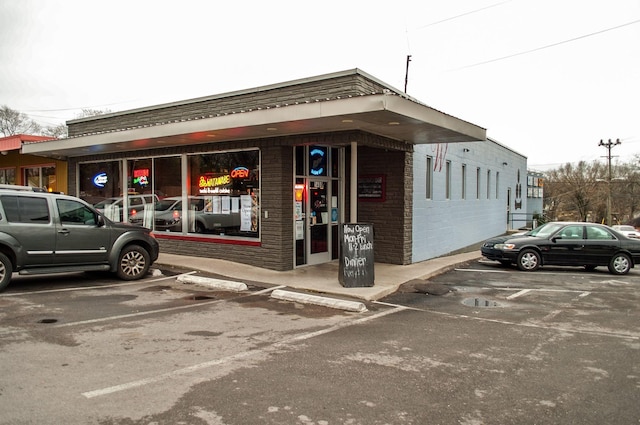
x=481, y=344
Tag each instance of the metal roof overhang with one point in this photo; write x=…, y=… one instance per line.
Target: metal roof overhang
x=390, y=116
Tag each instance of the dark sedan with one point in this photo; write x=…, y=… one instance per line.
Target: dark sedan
x=566, y=244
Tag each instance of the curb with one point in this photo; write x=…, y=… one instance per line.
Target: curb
x=353, y=306
x=226, y=285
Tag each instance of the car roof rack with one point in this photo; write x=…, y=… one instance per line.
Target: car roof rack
x=25, y=188
x=18, y=187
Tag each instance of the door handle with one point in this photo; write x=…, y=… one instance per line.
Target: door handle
x=64, y=231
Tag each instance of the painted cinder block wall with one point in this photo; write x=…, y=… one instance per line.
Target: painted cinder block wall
x=441, y=225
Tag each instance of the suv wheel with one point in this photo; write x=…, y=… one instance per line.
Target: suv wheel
x=133, y=263
x=6, y=269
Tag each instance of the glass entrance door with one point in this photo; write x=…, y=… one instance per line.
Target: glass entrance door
x=318, y=222
x=317, y=203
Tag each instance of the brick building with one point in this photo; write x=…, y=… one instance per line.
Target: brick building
x=264, y=176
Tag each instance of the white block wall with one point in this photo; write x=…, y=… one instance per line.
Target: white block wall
x=440, y=225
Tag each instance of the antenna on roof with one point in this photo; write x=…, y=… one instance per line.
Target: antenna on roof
x=406, y=75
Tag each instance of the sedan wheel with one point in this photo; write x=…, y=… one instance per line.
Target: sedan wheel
x=528, y=260
x=620, y=264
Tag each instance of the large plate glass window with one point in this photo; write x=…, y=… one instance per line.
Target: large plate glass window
x=224, y=193
x=8, y=176
x=43, y=177
x=100, y=180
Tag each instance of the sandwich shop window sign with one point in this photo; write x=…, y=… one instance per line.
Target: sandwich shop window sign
x=213, y=183
x=318, y=161
x=228, y=185
x=221, y=183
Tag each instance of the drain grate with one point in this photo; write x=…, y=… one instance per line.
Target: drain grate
x=480, y=302
x=48, y=321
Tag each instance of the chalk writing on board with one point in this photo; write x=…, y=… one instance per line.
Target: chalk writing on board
x=356, y=258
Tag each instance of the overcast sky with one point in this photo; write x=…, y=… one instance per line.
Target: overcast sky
x=547, y=78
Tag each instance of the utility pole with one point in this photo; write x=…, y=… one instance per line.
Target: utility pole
x=609, y=145
x=406, y=74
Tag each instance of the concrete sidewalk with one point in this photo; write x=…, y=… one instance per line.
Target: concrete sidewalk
x=322, y=278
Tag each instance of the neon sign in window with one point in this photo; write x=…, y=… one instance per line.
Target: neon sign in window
x=141, y=176
x=318, y=161
x=100, y=180
x=210, y=183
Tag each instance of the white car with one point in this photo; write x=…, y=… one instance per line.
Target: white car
x=628, y=231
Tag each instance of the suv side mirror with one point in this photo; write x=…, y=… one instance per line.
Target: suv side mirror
x=100, y=221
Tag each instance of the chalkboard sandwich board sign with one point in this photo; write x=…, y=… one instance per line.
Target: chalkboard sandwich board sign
x=356, y=255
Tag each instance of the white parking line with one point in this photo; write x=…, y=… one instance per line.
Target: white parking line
x=87, y=288
x=238, y=356
x=621, y=335
x=517, y=294
x=481, y=271
x=138, y=314
x=522, y=292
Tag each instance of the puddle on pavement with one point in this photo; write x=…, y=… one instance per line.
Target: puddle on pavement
x=155, y=288
x=204, y=333
x=480, y=302
x=199, y=297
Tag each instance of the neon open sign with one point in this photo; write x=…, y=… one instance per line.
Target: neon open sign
x=239, y=173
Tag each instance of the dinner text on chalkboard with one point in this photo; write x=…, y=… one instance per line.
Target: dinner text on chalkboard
x=356, y=255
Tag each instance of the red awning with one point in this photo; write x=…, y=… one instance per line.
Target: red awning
x=10, y=143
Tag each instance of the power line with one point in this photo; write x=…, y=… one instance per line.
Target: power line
x=462, y=14
x=547, y=46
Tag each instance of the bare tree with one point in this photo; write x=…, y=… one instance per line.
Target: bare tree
x=580, y=191
x=573, y=191
x=92, y=112
x=58, y=131
x=625, y=191
x=13, y=122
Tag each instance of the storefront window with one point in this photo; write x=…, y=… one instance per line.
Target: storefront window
x=224, y=193
x=163, y=185
x=100, y=180
x=8, y=176
x=42, y=177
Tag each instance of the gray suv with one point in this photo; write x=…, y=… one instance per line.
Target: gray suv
x=44, y=232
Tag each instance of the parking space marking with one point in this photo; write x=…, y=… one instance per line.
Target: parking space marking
x=621, y=335
x=141, y=313
x=87, y=288
x=481, y=271
x=517, y=294
x=249, y=353
x=160, y=310
x=582, y=294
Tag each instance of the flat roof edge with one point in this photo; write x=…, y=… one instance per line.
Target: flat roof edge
x=258, y=89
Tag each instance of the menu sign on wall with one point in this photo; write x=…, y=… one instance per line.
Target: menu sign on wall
x=356, y=255
x=371, y=188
